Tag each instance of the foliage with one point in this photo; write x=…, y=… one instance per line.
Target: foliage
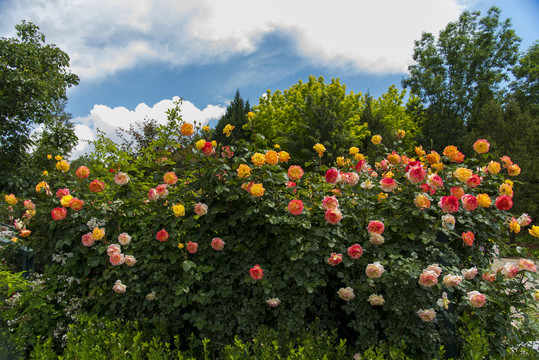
x=34, y=79
x=461, y=71
x=310, y=113
x=525, y=87
x=183, y=280
x=235, y=115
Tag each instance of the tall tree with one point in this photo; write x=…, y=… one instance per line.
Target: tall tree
x=33, y=82
x=235, y=115
x=460, y=72
x=525, y=87
x=310, y=113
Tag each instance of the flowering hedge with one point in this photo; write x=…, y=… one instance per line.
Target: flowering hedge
x=219, y=240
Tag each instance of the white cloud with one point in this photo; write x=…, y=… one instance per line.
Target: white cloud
x=106, y=36
x=109, y=119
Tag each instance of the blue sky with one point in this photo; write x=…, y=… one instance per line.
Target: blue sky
x=135, y=56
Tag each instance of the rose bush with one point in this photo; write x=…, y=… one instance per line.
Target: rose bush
x=294, y=233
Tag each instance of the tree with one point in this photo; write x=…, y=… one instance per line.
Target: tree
x=310, y=113
x=526, y=84
x=235, y=115
x=460, y=72
x=33, y=82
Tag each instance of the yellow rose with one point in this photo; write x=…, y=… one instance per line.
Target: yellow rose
x=58, y=157
x=62, y=165
x=514, y=226
x=438, y=166
x=200, y=144
x=340, y=161
x=483, y=200
x=11, y=199
x=272, y=157
x=98, y=234
x=359, y=157
x=49, y=156
x=382, y=196
x=258, y=159
x=42, y=185
x=65, y=200
x=284, y=156
x=376, y=139
x=214, y=143
x=206, y=128
x=179, y=210
x=244, y=171
x=187, y=129
x=463, y=174
x=250, y=114
x=493, y=167
x=419, y=151
x=354, y=150
x=180, y=246
x=319, y=148
x=401, y=134
x=277, y=146
x=228, y=130
x=257, y=190
x=506, y=189
x=534, y=231
x=45, y=173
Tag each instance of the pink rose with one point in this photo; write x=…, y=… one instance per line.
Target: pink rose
x=449, y=204
x=256, y=272
x=510, y=270
x=469, y=202
x=504, y=202
x=273, y=302
x=113, y=249
x=152, y=194
x=355, y=251
x=88, y=240
x=124, y=239
x=130, y=260
x=217, y=244
x=119, y=287
x=374, y=271
x=330, y=203
x=469, y=274
x=334, y=259
x=192, y=247
x=161, y=191
x=351, y=178
x=332, y=176
x=524, y=220
x=61, y=193
x=117, y=259
x=162, y=235
x=474, y=181
x=476, y=299
x=435, y=181
x=457, y=191
x=201, y=209
x=59, y=213
x=452, y=280
x=436, y=268
x=333, y=216
x=468, y=238
x=375, y=227
x=376, y=239
x=426, y=315
x=428, y=278
x=376, y=300
x=527, y=264
x=346, y=294
x=416, y=174
x=170, y=178
x=121, y=178
x=295, y=207
x=388, y=184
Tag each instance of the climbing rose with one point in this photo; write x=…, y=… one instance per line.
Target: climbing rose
x=178, y=210
x=375, y=227
x=483, y=200
x=82, y=172
x=346, y=294
x=58, y=213
x=192, y=247
x=97, y=186
x=121, y=178
x=469, y=274
x=258, y=159
x=333, y=216
x=256, y=272
x=376, y=239
x=60, y=193
x=124, y=239
x=201, y=209
x=330, y=203
x=463, y=174
x=295, y=207
x=474, y=181
x=376, y=300
x=257, y=190
x=452, y=280
x=117, y=259
x=187, y=129
x=334, y=259
x=504, y=202
x=243, y=171
x=130, y=260
x=332, y=176
x=449, y=204
x=76, y=204
x=493, y=167
x=481, y=146
x=426, y=315
x=283, y=156
x=457, y=191
x=87, y=240
x=428, y=278
x=98, y=234
x=469, y=202
x=416, y=174
x=272, y=157
x=388, y=184
x=170, y=178
x=295, y=172
x=217, y=244
x=162, y=235
x=476, y=299
x=114, y=249
x=273, y=302
x=510, y=270
x=355, y=251
x=119, y=287
x=161, y=191
x=374, y=271
x=527, y=264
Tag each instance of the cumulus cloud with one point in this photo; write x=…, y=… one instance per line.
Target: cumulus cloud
x=108, y=119
x=106, y=36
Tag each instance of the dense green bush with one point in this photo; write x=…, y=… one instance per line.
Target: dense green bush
x=304, y=272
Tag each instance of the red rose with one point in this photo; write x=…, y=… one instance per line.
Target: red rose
x=332, y=176
x=256, y=272
x=59, y=213
x=355, y=251
x=449, y=204
x=504, y=202
x=162, y=235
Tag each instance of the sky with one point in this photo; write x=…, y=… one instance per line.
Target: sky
x=134, y=57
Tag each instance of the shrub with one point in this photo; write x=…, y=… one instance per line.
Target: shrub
x=380, y=262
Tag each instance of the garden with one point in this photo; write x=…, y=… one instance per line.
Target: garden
x=198, y=250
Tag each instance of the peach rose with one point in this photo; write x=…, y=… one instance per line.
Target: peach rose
x=469, y=274
x=114, y=249
x=87, y=239
x=428, y=278
x=426, y=315
x=217, y=244
x=452, y=280
x=476, y=299
x=330, y=203
x=376, y=300
x=130, y=260
x=192, y=247
x=170, y=178
x=527, y=264
x=119, y=287
x=510, y=270
x=376, y=239
x=295, y=207
x=273, y=302
x=333, y=216
x=346, y=294
x=201, y=209
x=422, y=201
x=117, y=259
x=375, y=270
x=124, y=239
x=121, y=178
